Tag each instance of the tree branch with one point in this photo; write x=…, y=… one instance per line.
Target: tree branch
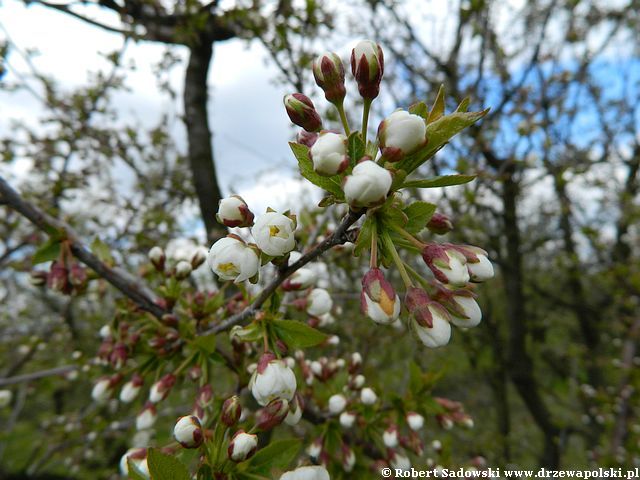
x=340, y=236
x=27, y=377
x=123, y=281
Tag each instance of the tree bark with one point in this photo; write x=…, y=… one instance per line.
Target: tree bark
x=199, y=135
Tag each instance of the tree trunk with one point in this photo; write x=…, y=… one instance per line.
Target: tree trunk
x=199, y=137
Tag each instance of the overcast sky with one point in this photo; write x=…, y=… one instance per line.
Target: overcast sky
x=250, y=126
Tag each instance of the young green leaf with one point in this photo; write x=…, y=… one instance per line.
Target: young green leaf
x=437, y=110
x=442, y=181
x=419, y=213
x=166, y=467
x=297, y=334
x=133, y=472
x=330, y=184
x=363, y=242
x=278, y=454
x=48, y=251
x=356, y=147
x=420, y=109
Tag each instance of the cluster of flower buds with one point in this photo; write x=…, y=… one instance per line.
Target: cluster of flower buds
x=233, y=259
x=65, y=276
x=453, y=414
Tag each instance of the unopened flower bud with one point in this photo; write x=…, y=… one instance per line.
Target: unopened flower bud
x=329, y=154
x=198, y=257
x=463, y=309
x=78, y=276
x=274, y=234
x=295, y=411
x=233, y=211
x=319, y=302
x=231, y=259
x=57, y=279
x=183, y=269
x=273, y=379
x=429, y=318
x=439, y=224
x=399, y=462
x=307, y=473
x=195, y=373
x=314, y=450
x=337, y=403
x=138, y=457
x=105, y=332
x=401, y=134
x=347, y=419
x=302, y=112
x=390, y=437
x=368, y=396
x=102, y=390
x=378, y=299
x=447, y=264
x=118, y=356
x=368, y=184
x=147, y=417
x=157, y=258
x=188, y=432
x=481, y=270
x=231, y=411
x=367, y=66
x=131, y=389
x=300, y=279
x=307, y=138
x=329, y=74
x=242, y=446
x=415, y=421
x=160, y=390
x=348, y=458
x=272, y=415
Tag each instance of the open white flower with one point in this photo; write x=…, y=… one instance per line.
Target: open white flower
x=273, y=233
x=231, y=259
x=367, y=185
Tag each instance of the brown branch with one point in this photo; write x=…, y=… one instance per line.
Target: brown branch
x=27, y=377
x=129, y=286
x=340, y=236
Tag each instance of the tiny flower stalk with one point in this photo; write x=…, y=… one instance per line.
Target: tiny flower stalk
x=391, y=248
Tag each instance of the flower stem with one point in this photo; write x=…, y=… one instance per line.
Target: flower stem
x=397, y=260
x=365, y=119
x=184, y=364
x=343, y=118
x=373, y=262
x=425, y=283
x=408, y=236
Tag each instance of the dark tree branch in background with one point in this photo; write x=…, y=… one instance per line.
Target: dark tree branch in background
x=130, y=286
x=27, y=377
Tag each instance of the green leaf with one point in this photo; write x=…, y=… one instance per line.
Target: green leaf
x=326, y=201
x=394, y=216
x=278, y=454
x=420, y=109
x=464, y=105
x=363, y=242
x=442, y=181
x=419, y=214
x=48, y=251
x=134, y=472
x=166, y=467
x=437, y=110
x=438, y=134
x=297, y=334
x=206, y=343
x=102, y=251
x=330, y=184
x=355, y=147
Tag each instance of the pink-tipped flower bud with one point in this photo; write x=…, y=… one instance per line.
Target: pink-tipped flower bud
x=58, y=278
x=118, y=356
x=198, y=257
x=233, y=211
x=447, y=263
x=147, y=417
x=272, y=415
x=319, y=302
x=272, y=379
x=429, y=319
x=78, y=276
x=367, y=66
x=368, y=185
x=130, y=390
x=231, y=411
x=439, y=224
x=398, y=461
x=390, y=436
x=348, y=458
x=302, y=112
x=103, y=388
x=478, y=264
x=307, y=138
x=242, y=446
x=461, y=305
x=329, y=74
x=188, y=432
x=347, y=419
x=195, y=373
x=160, y=390
x=368, y=396
x=157, y=258
x=401, y=134
x=183, y=269
x=138, y=457
x=378, y=299
x=329, y=154
x=300, y=280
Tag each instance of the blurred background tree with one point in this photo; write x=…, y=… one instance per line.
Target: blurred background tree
x=551, y=377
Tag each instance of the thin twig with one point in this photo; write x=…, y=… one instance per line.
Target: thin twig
x=27, y=377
